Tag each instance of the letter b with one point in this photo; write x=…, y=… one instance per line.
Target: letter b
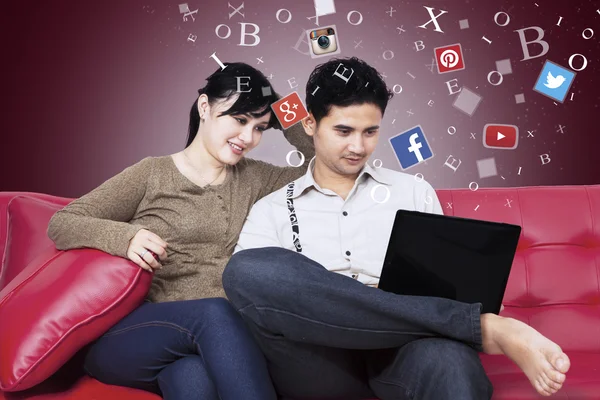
x=419, y=43
x=244, y=33
x=525, y=43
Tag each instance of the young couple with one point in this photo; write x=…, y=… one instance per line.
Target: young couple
x=306, y=320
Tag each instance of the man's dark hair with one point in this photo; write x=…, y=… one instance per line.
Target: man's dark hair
x=365, y=85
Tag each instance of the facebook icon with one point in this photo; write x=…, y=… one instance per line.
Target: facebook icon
x=411, y=147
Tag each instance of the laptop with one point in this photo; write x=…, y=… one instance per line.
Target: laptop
x=457, y=258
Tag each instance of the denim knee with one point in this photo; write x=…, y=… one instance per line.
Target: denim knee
x=187, y=378
x=217, y=310
x=450, y=361
x=184, y=372
x=251, y=267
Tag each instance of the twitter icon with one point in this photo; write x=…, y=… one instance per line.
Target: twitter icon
x=554, y=81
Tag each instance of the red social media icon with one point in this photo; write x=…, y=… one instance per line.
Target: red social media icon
x=499, y=136
x=289, y=110
x=449, y=58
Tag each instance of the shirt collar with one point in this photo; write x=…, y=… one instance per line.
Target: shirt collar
x=375, y=174
x=308, y=179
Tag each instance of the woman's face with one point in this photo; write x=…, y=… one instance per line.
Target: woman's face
x=228, y=138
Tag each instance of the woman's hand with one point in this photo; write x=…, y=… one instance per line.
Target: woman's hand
x=146, y=249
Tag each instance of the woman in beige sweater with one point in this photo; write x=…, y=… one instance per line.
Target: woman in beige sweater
x=179, y=217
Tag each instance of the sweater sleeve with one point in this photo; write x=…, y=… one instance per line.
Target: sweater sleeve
x=100, y=219
x=298, y=138
x=273, y=177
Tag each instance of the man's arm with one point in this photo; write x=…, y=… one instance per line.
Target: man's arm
x=428, y=201
x=259, y=230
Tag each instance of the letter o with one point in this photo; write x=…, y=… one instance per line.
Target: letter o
x=287, y=158
x=452, y=133
x=387, y=196
x=496, y=18
x=571, y=62
x=359, y=20
x=476, y=186
x=388, y=51
x=279, y=13
x=419, y=179
x=587, y=29
x=489, y=77
x=228, y=31
x=394, y=89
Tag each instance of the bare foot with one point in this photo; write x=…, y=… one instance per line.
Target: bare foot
x=541, y=360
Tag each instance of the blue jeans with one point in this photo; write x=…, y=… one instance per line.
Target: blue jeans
x=327, y=336
x=183, y=350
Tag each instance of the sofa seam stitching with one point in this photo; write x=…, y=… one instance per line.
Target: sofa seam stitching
x=527, y=293
x=592, y=220
x=162, y=324
x=33, y=275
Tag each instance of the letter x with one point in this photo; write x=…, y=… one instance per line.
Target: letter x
x=433, y=19
x=560, y=128
x=236, y=10
x=432, y=65
x=508, y=203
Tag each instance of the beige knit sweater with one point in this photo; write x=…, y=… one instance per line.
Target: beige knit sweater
x=201, y=225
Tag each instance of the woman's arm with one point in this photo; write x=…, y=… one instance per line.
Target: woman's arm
x=273, y=177
x=298, y=138
x=100, y=219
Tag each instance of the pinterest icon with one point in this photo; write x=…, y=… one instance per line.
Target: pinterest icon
x=449, y=58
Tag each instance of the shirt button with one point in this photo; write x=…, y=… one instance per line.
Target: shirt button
x=348, y=253
x=345, y=214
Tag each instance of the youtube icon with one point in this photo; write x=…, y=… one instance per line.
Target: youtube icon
x=500, y=136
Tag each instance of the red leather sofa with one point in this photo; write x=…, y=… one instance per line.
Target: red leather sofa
x=554, y=286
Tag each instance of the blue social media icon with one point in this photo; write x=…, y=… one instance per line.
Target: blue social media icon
x=411, y=147
x=554, y=81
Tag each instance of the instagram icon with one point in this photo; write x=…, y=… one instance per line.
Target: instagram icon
x=449, y=58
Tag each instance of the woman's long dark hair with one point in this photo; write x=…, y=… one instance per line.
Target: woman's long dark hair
x=223, y=84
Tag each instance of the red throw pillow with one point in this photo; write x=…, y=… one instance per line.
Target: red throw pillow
x=26, y=238
x=60, y=302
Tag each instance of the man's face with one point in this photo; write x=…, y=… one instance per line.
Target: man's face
x=346, y=137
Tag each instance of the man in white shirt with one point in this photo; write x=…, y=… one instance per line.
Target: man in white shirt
x=308, y=260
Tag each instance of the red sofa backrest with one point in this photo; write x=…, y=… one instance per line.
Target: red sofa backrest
x=554, y=283
x=555, y=280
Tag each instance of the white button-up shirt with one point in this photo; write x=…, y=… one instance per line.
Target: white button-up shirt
x=349, y=236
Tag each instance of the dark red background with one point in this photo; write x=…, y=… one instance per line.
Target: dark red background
x=90, y=87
